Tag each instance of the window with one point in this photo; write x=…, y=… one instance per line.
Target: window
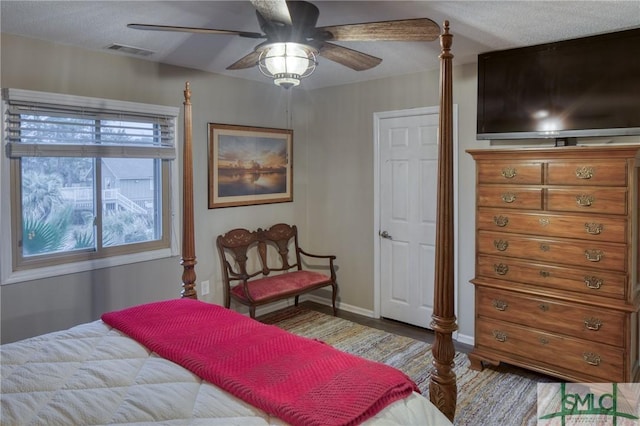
x=89, y=183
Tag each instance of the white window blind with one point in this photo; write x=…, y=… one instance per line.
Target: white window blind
x=43, y=124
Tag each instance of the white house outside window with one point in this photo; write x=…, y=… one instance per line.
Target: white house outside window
x=89, y=183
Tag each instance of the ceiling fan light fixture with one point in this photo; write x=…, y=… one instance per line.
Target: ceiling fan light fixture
x=287, y=63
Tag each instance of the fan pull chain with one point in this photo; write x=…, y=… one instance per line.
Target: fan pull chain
x=289, y=110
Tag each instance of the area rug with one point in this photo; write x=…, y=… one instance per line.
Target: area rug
x=504, y=395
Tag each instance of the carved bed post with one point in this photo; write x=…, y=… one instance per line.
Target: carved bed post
x=188, y=246
x=442, y=387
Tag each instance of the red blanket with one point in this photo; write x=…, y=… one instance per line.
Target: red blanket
x=299, y=380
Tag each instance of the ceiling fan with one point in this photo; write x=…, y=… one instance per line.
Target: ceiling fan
x=293, y=41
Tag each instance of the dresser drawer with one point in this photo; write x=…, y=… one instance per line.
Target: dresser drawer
x=512, y=197
x=542, y=348
x=590, y=227
x=588, y=254
x=589, y=172
x=588, y=200
x=579, y=281
x=583, y=322
x=509, y=172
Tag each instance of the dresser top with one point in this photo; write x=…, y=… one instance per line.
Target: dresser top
x=608, y=151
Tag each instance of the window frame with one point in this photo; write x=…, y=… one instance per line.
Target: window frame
x=14, y=268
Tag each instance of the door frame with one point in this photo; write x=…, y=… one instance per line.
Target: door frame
x=377, y=117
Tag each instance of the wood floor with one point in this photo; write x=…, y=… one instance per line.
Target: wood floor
x=384, y=324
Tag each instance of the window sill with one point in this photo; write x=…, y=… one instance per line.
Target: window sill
x=13, y=277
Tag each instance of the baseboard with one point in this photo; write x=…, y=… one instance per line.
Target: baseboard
x=464, y=338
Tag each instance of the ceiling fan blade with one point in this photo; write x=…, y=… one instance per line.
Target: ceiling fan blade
x=248, y=61
x=353, y=59
x=273, y=10
x=193, y=30
x=421, y=29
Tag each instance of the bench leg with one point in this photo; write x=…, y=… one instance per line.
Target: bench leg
x=296, y=300
x=252, y=312
x=333, y=298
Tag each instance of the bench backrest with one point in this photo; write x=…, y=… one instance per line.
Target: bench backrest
x=238, y=245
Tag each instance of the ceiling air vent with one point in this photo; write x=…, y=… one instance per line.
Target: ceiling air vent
x=130, y=50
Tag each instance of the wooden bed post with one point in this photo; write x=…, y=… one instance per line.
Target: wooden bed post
x=188, y=260
x=442, y=387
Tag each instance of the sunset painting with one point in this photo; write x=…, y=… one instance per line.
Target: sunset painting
x=250, y=166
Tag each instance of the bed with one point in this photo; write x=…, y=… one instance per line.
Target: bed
x=152, y=363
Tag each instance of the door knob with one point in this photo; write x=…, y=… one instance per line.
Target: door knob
x=385, y=234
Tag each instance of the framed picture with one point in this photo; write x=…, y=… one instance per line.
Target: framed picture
x=249, y=165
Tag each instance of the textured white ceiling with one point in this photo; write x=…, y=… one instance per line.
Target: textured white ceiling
x=477, y=26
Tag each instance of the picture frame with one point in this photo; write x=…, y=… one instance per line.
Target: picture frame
x=249, y=165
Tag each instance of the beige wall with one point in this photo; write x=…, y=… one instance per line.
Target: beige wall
x=333, y=176
x=341, y=176
x=35, y=307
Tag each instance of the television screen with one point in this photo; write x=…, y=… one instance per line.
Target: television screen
x=582, y=87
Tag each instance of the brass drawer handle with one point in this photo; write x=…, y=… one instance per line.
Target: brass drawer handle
x=501, y=245
x=543, y=307
x=592, y=324
x=585, y=200
x=543, y=340
x=544, y=221
x=500, y=336
x=501, y=269
x=545, y=247
x=545, y=274
x=501, y=221
x=509, y=172
x=500, y=305
x=593, y=255
x=508, y=197
x=593, y=283
x=584, y=172
x=591, y=358
x=593, y=228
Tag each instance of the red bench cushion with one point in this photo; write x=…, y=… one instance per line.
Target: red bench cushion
x=281, y=285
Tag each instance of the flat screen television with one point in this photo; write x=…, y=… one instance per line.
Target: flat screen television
x=582, y=87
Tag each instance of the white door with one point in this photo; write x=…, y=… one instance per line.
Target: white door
x=408, y=176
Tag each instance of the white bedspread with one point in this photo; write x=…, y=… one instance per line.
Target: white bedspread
x=94, y=375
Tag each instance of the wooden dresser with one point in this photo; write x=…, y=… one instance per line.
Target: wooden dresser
x=556, y=285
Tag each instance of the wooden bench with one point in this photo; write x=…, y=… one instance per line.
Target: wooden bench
x=249, y=257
